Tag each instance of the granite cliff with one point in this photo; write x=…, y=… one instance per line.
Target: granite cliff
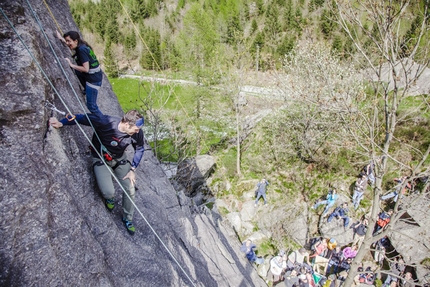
x=55, y=229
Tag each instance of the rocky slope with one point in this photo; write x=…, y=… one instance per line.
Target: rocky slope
x=55, y=230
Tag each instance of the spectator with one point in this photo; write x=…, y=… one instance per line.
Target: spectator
x=248, y=249
x=331, y=246
x=349, y=252
x=398, y=189
x=278, y=265
x=335, y=259
x=261, y=191
x=291, y=279
x=340, y=212
x=330, y=200
x=368, y=170
x=320, y=248
x=368, y=277
x=408, y=280
x=380, y=248
x=304, y=281
x=345, y=265
x=383, y=219
x=296, y=258
x=359, y=230
x=397, y=267
x=359, y=189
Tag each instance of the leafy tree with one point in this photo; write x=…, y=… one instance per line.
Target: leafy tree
x=297, y=23
x=181, y=4
x=377, y=125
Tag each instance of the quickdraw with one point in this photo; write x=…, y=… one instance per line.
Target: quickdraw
x=54, y=108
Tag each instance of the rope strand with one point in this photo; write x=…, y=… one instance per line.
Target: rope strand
x=88, y=139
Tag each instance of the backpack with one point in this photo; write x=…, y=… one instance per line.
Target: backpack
x=314, y=242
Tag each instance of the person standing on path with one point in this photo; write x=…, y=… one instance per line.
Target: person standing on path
x=87, y=68
x=114, y=136
x=261, y=191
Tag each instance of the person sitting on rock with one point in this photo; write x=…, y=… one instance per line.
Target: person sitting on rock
x=397, y=267
x=330, y=200
x=368, y=170
x=320, y=248
x=248, y=248
x=335, y=259
x=360, y=187
x=296, y=258
x=408, y=280
x=398, y=190
x=331, y=246
x=261, y=191
x=359, y=229
x=344, y=265
x=340, y=212
x=278, y=266
x=291, y=279
x=349, y=252
x=383, y=219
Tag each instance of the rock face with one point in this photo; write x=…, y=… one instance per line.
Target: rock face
x=55, y=229
x=192, y=173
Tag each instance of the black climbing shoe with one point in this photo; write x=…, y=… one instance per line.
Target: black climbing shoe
x=129, y=225
x=110, y=203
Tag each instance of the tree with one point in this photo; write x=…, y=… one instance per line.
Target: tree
x=272, y=26
x=198, y=42
x=151, y=55
x=110, y=62
x=393, y=77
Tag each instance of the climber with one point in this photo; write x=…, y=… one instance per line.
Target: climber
x=87, y=68
x=114, y=135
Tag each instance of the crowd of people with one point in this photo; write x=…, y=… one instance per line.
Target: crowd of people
x=326, y=264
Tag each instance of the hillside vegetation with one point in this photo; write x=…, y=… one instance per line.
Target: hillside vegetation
x=339, y=75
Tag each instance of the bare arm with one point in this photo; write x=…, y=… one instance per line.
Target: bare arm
x=84, y=68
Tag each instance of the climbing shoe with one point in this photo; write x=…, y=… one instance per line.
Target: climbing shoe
x=110, y=203
x=129, y=225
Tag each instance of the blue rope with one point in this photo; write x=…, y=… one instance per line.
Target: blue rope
x=81, y=129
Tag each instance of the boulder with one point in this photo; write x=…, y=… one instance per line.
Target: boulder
x=192, y=173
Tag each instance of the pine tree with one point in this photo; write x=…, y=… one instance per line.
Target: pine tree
x=272, y=26
x=110, y=62
x=254, y=26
